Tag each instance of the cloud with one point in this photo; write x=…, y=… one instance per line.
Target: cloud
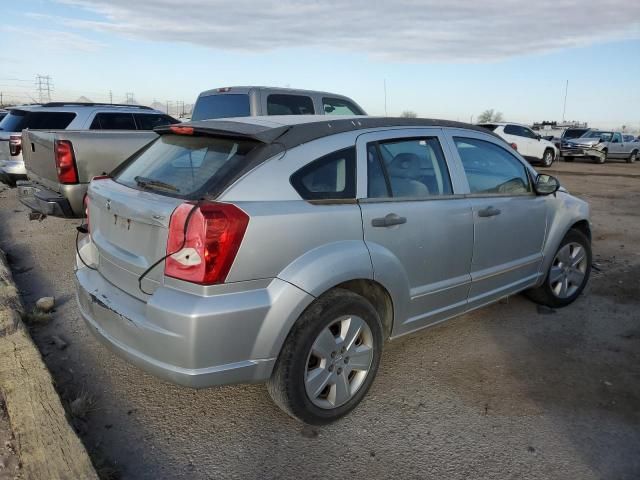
x=55, y=40
x=400, y=30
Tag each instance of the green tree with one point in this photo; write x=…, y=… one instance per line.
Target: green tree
x=409, y=114
x=490, y=115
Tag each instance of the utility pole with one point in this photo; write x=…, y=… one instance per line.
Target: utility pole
x=43, y=87
x=130, y=99
x=564, y=108
x=385, y=97
x=1, y=102
x=168, y=107
x=110, y=96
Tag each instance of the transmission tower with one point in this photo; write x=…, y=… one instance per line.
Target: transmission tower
x=44, y=87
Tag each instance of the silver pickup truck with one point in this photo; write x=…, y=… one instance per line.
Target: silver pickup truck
x=600, y=146
x=60, y=164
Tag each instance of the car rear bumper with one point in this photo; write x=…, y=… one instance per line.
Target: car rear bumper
x=13, y=168
x=42, y=200
x=189, y=339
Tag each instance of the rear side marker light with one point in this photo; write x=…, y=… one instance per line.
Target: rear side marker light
x=204, y=254
x=514, y=146
x=66, y=162
x=15, y=145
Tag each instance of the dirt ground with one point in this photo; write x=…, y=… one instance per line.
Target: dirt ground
x=508, y=391
x=9, y=460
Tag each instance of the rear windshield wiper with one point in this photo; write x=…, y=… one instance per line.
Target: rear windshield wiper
x=151, y=183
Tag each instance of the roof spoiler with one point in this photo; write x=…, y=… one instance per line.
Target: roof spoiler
x=227, y=129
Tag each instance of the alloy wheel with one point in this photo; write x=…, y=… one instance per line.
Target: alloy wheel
x=568, y=270
x=339, y=362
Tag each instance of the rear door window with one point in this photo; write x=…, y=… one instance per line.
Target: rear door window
x=410, y=168
x=18, y=120
x=339, y=106
x=113, y=121
x=283, y=104
x=330, y=177
x=149, y=121
x=221, y=106
x=183, y=166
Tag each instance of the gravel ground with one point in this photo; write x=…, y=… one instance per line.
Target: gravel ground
x=509, y=391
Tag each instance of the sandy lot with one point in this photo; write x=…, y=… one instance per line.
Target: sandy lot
x=509, y=391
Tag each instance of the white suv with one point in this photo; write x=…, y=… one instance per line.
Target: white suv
x=528, y=143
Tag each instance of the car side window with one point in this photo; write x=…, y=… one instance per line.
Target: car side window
x=512, y=130
x=617, y=138
x=283, y=104
x=330, y=177
x=409, y=168
x=338, y=106
x=113, y=121
x=491, y=169
x=149, y=121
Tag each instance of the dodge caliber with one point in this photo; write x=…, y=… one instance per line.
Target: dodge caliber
x=287, y=250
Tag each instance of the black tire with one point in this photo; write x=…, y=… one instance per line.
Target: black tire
x=546, y=161
x=287, y=383
x=544, y=294
x=633, y=157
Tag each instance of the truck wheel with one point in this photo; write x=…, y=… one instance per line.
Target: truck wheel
x=601, y=160
x=633, y=157
x=568, y=274
x=329, y=359
x=547, y=158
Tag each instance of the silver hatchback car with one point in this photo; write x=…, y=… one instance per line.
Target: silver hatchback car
x=286, y=250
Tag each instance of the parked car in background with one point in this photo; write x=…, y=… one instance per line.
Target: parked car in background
x=67, y=116
x=568, y=133
x=61, y=163
x=251, y=101
x=286, y=250
x=3, y=113
x=600, y=146
x=528, y=143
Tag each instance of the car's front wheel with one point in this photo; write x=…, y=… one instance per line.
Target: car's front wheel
x=602, y=158
x=329, y=359
x=547, y=158
x=568, y=274
x=633, y=157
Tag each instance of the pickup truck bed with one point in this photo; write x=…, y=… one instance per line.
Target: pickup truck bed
x=94, y=153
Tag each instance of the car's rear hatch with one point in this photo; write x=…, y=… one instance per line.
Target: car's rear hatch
x=129, y=215
x=129, y=229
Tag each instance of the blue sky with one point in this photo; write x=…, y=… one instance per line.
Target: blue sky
x=439, y=59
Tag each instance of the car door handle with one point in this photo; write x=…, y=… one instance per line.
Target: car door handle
x=389, y=220
x=489, y=212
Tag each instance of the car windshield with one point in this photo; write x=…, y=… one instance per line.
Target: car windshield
x=221, y=106
x=604, y=136
x=574, y=133
x=183, y=166
x=18, y=120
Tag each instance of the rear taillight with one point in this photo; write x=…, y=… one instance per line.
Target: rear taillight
x=213, y=236
x=15, y=145
x=514, y=146
x=66, y=162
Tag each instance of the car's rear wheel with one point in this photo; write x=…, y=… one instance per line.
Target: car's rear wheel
x=568, y=274
x=633, y=157
x=547, y=158
x=329, y=359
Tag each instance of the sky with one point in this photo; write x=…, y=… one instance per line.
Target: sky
x=439, y=59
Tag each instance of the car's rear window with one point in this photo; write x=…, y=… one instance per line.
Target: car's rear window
x=183, y=166
x=221, y=106
x=18, y=120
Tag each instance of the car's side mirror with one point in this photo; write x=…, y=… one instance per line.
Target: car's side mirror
x=546, y=184
x=538, y=137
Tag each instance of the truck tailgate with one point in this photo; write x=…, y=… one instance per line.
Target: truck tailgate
x=96, y=152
